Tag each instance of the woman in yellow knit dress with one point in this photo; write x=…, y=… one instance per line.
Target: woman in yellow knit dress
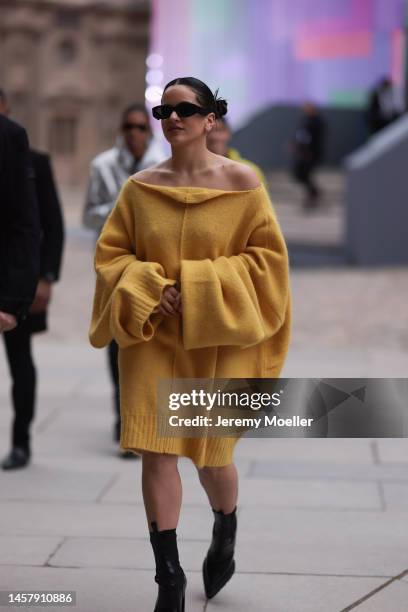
x=192, y=282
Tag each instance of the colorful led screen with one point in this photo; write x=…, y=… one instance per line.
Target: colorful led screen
x=260, y=52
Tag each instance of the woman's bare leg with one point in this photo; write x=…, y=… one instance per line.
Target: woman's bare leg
x=221, y=486
x=162, y=489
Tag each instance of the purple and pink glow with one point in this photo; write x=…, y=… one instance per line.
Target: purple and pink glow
x=262, y=52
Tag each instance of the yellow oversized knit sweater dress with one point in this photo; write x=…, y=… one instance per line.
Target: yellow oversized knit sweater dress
x=226, y=250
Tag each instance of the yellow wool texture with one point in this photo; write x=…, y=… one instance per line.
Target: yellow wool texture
x=226, y=250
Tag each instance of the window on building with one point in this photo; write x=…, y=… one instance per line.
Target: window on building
x=67, y=51
x=63, y=135
x=67, y=18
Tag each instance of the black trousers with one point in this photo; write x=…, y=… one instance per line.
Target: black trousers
x=23, y=389
x=303, y=172
x=113, y=351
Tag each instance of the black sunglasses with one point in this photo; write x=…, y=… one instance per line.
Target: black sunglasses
x=142, y=127
x=183, y=109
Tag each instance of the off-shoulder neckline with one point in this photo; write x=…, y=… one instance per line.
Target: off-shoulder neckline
x=192, y=187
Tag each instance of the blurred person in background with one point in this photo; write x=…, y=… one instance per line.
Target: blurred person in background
x=218, y=141
x=19, y=227
x=18, y=341
x=134, y=150
x=382, y=107
x=307, y=152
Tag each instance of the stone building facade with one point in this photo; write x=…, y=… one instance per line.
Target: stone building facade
x=69, y=67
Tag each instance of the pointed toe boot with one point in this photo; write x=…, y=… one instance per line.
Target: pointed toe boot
x=169, y=574
x=219, y=564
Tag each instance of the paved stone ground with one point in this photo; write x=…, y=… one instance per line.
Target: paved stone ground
x=322, y=523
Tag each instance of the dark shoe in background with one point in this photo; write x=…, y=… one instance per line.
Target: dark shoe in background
x=124, y=454
x=17, y=458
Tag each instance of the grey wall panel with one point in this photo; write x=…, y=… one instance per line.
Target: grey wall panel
x=377, y=199
x=264, y=139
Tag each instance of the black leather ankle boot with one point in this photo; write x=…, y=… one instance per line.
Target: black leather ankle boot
x=169, y=574
x=219, y=564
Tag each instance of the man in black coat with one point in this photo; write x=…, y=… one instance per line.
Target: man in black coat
x=18, y=340
x=19, y=226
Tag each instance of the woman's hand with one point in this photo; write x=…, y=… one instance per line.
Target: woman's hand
x=170, y=304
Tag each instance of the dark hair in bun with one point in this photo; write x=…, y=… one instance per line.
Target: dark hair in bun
x=204, y=95
x=221, y=105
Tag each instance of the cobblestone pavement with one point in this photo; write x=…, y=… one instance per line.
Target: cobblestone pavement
x=322, y=523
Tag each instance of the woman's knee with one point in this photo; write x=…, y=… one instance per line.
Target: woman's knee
x=211, y=473
x=159, y=462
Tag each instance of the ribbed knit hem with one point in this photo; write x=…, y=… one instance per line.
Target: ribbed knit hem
x=137, y=295
x=146, y=296
x=138, y=433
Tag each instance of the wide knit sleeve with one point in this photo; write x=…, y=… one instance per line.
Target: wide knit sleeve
x=127, y=290
x=240, y=300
